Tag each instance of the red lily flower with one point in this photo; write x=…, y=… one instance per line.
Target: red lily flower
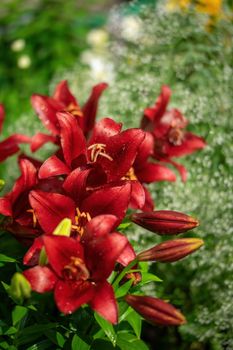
x=62, y=100
x=137, y=167
x=10, y=145
x=168, y=129
x=79, y=205
x=20, y=219
x=109, y=151
x=78, y=272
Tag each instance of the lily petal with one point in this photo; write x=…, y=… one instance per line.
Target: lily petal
x=39, y=139
x=69, y=296
x=152, y=172
x=72, y=138
x=99, y=226
x=51, y=208
x=104, y=302
x=53, y=166
x=59, y=250
x=90, y=107
x=104, y=129
x=101, y=254
x=62, y=94
x=46, y=108
x=108, y=200
x=41, y=278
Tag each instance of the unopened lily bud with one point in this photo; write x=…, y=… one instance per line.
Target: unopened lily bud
x=20, y=288
x=156, y=310
x=170, y=251
x=63, y=228
x=165, y=222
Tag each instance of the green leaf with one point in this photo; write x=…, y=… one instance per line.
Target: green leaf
x=42, y=345
x=56, y=337
x=31, y=333
x=123, y=226
x=122, y=290
x=79, y=344
x=107, y=328
x=100, y=344
x=4, y=258
x=148, y=277
x=135, y=321
x=124, y=310
x=18, y=313
x=127, y=341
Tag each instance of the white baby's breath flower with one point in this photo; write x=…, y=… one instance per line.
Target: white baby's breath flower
x=18, y=45
x=98, y=38
x=24, y=62
x=131, y=28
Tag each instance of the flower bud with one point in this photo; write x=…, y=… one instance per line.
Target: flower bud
x=155, y=310
x=166, y=222
x=170, y=251
x=63, y=228
x=20, y=288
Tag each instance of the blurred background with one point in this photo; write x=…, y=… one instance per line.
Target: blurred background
x=136, y=47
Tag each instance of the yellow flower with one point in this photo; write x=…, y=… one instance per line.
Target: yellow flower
x=210, y=7
x=173, y=4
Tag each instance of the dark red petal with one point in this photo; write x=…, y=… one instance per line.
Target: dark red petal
x=39, y=139
x=69, y=296
x=90, y=107
x=31, y=258
x=108, y=200
x=5, y=206
x=62, y=94
x=51, y=208
x=102, y=253
x=104, y=129
x=60, y=249
x=46, y=110
x=53, y=166
x=26, y=181
x=104, y=302
x=7, y=149
x=99, y=226
x=145, y=149
x=75, y=183
x=154, y=114
x=182, y=170
x=122, y=148
x=149, y=203
x=155, y=172
x=72, y=139
x=41, y=278
x=191, y=144
x=2, y=116
x=137, y=200
x=127, y=255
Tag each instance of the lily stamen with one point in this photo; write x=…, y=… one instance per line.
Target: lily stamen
x=98, y=149
x=34, y=219
x=130, y=175
x=75, y=110
x=80, y=221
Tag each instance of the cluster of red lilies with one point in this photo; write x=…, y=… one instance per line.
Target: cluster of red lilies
x=67, y=209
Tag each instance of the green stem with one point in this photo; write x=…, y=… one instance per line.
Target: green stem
x=123, y=272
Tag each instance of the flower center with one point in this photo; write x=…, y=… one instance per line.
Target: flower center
x=76, y=270
x=130, y=175
x=98, y=149
x=176, y=136
x=75, y=110
x=81, y=219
